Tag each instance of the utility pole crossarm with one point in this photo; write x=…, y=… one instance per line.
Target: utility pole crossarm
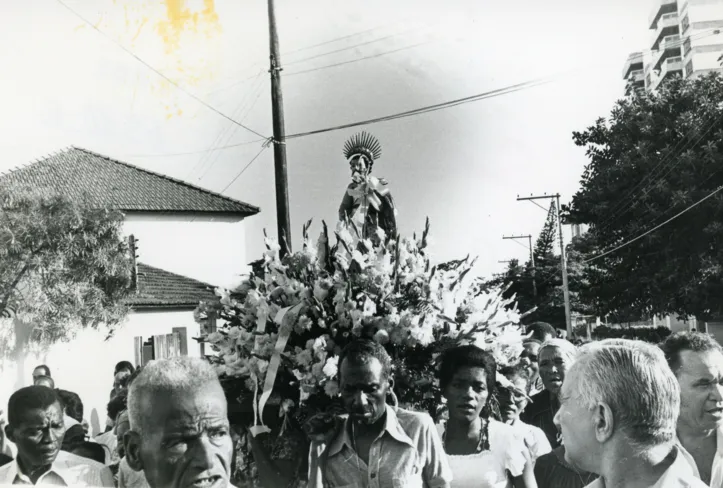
x=537, y=197
x=517, y=237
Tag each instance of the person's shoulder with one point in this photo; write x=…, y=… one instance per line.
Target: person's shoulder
x=412, y=417
x=73, y=460
x=410, y=420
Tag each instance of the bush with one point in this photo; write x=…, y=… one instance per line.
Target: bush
x=647, y=334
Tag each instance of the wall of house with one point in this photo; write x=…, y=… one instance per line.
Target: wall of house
x=207, y=248
x=86, y=366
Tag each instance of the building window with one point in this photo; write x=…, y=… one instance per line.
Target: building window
x=684, y=24
x=689, y=68
x=686, y=46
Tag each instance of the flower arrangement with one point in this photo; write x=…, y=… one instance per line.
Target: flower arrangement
x=284, y=327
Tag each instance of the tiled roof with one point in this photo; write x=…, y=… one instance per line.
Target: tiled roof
x=160, y=288
x=114, y=184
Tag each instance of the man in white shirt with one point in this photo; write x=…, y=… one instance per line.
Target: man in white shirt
x=35, y=425
x=697, y=361
x=619, y=406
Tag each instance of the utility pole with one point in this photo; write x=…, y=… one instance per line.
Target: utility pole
x=283, y=220
x=563, y=260
x=532, y=259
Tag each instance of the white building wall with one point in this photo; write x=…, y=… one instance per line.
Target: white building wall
x=209, y=249
x=85, y=365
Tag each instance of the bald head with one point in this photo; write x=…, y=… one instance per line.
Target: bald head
x=46, y=381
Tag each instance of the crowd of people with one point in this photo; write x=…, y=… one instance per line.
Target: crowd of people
x=612, y=413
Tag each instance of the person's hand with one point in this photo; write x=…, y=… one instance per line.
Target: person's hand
x=322, y=426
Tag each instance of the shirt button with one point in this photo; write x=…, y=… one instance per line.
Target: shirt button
x=374, y=475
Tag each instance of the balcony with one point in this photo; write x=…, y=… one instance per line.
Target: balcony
x=669, y=48
x=668, y=25
x=661, y=8
x=637, y=77
x=671, y=67
x=633, y=63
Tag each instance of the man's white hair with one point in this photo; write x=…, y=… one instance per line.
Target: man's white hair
x=634, y=380
x=567, y=348
x=163, y=377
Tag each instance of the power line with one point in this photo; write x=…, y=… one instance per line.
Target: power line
x=336, y=39
x=431, y=108
x=627, y=243
x=244, y=169
x=191, y=153
x=347, y=48
x=293, y=73
x=247, y=110
x=144, y=63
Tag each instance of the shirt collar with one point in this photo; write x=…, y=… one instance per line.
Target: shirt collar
x=391, y=427
x=57, y=468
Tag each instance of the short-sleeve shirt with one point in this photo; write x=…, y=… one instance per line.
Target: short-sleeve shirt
x=67, y=470
x=407, y=454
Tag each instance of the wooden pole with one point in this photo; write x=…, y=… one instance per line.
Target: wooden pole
x=563, y=263
x=283, y=220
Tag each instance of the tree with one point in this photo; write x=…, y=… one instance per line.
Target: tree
x=549, y=302
x=63, y=264
x=656, y=155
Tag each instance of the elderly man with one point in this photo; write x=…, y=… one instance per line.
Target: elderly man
x=377, y=446
x=697, y=361
x=619, y=407
x=35, y=425
x=180, y=435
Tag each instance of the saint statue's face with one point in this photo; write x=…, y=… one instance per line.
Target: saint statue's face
x=360, y=167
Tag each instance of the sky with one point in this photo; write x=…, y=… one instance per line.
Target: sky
x=98, y=86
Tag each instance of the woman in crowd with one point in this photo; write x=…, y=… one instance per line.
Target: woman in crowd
x=556, y=356
x=483, y=453
x=513, y=397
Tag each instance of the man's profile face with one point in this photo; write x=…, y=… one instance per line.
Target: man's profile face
x=575, y=422
x=38, y=436
x=364, y=388
x=186, y=442
x=700, y=376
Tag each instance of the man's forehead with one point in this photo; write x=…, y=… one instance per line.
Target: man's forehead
x=53, y=411
x=185, y=404
x=698, y=363
x=370, y=370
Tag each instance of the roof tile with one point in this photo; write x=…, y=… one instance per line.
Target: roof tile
x=160, y=288
x=114, y=184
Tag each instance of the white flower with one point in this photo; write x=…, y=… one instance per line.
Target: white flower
x=331, y=367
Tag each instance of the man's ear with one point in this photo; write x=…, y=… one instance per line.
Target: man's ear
x=132, y=445
x=391, y=383
x=10, y=433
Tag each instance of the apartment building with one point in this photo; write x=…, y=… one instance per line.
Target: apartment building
x=686, y=39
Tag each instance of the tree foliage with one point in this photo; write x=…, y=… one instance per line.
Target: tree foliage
x=63, y=264
x=654, y=156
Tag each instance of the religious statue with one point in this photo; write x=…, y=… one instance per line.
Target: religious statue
x=367, y=201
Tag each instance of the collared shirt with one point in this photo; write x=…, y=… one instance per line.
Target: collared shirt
x=716, y=472
x=407, y=454
x=678, y=475
x=67, y=470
